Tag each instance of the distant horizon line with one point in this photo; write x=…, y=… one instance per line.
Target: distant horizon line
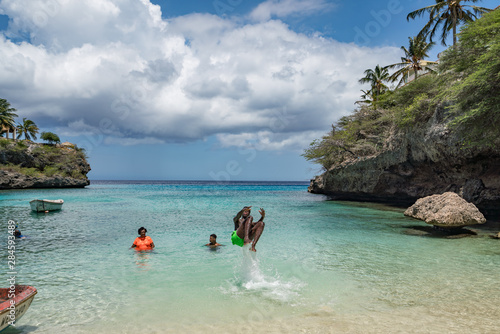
x=197, y=180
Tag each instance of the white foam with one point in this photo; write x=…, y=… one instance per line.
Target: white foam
x=250, y=271
x=254, y=280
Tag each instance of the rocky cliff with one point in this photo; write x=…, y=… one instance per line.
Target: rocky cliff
x=422, y=161
x=437, y=133
x=24, y=164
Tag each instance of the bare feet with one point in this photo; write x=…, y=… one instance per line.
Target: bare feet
x=252, y=249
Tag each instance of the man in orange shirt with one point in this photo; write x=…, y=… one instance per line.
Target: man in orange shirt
x=142, y=242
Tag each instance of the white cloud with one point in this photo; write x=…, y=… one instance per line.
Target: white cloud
x=268, y=140
x=284, y=8
x=132, y=141
x=115, y=67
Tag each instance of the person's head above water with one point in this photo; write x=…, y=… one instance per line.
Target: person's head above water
x=246, y=211
x=213, y=239
x=142, y=231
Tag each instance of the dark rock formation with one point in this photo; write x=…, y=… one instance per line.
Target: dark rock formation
x=448, y=210
x=422, y=161
x=13, y=180
x=442, y=233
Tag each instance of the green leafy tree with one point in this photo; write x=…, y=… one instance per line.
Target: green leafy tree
x=332, y=149
x=475, y=64
x=447, y=15
x=376, y=78
x=7, y=115
x=27, y=128
x=50, y=137
x=413, y=60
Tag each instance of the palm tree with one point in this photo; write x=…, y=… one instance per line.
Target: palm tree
x=413, y=61
x=449, y=14
x=28, y=128
x=7, y=115
x=367, y=97
x=376, y=79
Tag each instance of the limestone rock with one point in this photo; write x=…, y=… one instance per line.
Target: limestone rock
x=424, y=160
x=13, y=180
x=448, y=210
x=24, y=164
x=471, y=191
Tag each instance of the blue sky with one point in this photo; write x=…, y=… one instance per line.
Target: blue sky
x=196, y=90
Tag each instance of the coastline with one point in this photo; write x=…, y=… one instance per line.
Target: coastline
x=25, y=164
x=12, y=180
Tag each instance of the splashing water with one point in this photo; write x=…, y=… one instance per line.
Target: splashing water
x=250, y=271
x=253, y=280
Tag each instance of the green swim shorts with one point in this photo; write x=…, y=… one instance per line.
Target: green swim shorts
x=237, y=240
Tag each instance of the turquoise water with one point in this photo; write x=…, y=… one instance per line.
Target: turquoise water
x=320, y=266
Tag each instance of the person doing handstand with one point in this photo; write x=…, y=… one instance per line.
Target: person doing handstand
x=246, y=230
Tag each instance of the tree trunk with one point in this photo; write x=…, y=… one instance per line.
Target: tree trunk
x=454, y=15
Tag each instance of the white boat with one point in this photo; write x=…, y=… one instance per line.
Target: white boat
x=14, y=303
x=42, y=205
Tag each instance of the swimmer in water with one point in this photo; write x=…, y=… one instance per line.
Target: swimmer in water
x=18, y=234
x=246, y=230
x=213, y=241
x=143, y=242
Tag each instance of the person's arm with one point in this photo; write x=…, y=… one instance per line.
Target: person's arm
x=262, y=214
x=236, y=219
x=134, y=245
x=152, y=244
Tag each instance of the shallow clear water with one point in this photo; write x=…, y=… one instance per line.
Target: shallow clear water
x=321, y=266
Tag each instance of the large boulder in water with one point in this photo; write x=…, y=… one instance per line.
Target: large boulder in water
x=448, y=210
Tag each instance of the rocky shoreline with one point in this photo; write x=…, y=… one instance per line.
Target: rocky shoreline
x=24, y=164
x=13, y=180
x=421, y=162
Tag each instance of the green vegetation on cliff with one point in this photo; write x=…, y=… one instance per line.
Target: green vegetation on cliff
x=42, y=160
x=466, y=86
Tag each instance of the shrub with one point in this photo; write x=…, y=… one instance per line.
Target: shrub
x=50, y=137
x=30, y=172
x=76, y=174
x=414, y=112
x=21, y=144
x=476, y=64
x=4, y=142
x=50, y=170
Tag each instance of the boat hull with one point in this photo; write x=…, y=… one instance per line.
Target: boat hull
x=24, y=295
x=46, y=205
